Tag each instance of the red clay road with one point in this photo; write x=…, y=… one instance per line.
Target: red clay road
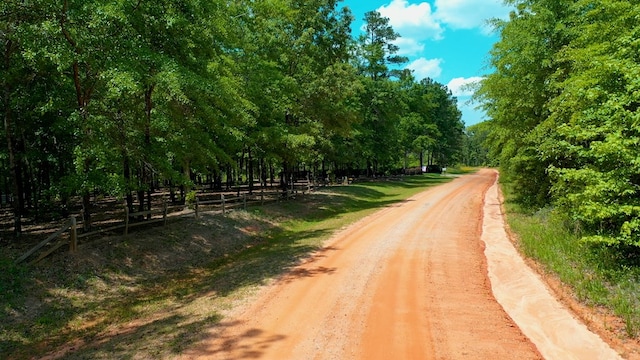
x=408, y=282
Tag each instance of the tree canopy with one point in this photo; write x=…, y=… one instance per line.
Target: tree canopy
x=563, y=102
x=121, y=98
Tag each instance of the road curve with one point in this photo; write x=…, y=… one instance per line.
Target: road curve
x=408, y=282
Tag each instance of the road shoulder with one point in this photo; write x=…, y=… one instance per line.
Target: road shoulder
x=528, y=301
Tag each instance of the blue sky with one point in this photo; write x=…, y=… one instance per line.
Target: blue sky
x=446, y=40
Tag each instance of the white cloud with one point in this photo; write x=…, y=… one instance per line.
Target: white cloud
x=463, y=86
x=426, y=68
x=415, y=21
x=470, y=14
x=409, y=47
x=419, y=22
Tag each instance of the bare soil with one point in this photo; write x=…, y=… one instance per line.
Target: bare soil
x=409, y=282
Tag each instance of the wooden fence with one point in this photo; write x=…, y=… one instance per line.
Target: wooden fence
x=224, y=204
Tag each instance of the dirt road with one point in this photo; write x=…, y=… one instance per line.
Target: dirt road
x=409, y=282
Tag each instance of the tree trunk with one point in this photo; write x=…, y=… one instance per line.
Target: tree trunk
x=149, y=203
x=187, y=175
x=36, y=191
x=46, y=181
x=126, y=172
x=172, y=193
x=11, y=146
x=140, y=203
x=27, y=182
x=240, y=167
x=140, y=191
x=250, y=168
x=406, y=156
x=146, y=178
x=229, y=177
x=263, y=172
x=83, y=96
x=284, y=177
x=272, y=175
x=7, y=187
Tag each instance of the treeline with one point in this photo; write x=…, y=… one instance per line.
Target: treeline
x=564, y=103
x=122, y=97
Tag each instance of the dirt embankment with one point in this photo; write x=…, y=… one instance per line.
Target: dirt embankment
x=527, y=299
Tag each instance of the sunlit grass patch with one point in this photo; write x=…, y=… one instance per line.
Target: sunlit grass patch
x=460, y=170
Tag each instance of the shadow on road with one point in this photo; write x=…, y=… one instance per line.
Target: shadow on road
x=126, y=297
x=249, y=345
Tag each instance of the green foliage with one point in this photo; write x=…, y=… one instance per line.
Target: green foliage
x=190, y=198
x=476, y=148
x=118, y=97
x=598, y=140
x=564, y=108
x=376, y=48
x=436, y=101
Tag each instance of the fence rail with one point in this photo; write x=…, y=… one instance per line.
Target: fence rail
x=224, y=204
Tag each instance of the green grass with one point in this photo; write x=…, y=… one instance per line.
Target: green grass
x=460, y=170
x=157, y=292
x=599, y=275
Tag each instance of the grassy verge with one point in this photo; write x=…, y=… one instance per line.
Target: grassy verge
x=460, y=170
x=157, y=292
x=598, y=275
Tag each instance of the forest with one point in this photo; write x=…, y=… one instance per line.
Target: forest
x=124, y=97
x=564, y=104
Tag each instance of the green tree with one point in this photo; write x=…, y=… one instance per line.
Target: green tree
x=31, y=122
x=418, y=130
x=593, y=149
x=475, y=151
x=117, y=97
x=382, y=99
x=443, y=120
x=296, y=74
x=516, y=95
x=563, y=103
x=376, y=51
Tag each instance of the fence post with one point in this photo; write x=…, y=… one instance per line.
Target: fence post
x=126, y=220
x=73, y=239
x=164, y=211
x=222, y=197
x=244, y=201
x=197, y=203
